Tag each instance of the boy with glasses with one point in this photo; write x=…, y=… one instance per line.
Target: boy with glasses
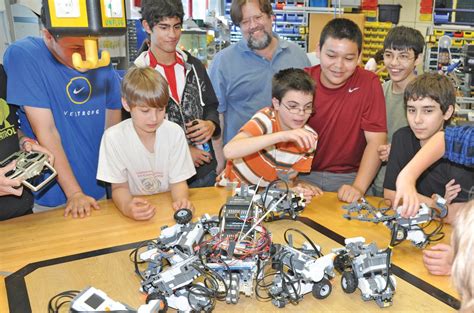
x=276, y=142
x=403, y=50
x=241, y=73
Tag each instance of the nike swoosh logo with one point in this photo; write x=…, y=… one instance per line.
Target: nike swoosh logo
x=78, y=91
x=351, y=90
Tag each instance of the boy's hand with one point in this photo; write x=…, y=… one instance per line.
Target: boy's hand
x=406, y=193
x=384, y=151
x=439, y=259
x=7, y=184
x=307, y=190
x=199, y=156
x=452, y=191
x=79, y=205
x=199, y=131
x=140, y=209
x=182, y=204
x=349, y=193
x=31, y=145
x=303, y=138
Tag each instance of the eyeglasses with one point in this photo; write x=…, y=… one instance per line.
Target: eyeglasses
x=256, y=19
x=402, y=58
x=296, y=109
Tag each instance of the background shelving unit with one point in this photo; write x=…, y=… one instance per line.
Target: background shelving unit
x=291, y=20
x=374, y=35
x=460, y=36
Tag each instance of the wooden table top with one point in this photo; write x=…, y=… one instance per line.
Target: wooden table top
x=49, y=235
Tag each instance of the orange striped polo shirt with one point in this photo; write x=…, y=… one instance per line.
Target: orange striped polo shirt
x=283, y=157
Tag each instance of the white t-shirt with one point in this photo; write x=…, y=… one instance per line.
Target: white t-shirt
x=124, y=158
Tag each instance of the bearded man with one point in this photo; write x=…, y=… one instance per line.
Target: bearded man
x=242, y=73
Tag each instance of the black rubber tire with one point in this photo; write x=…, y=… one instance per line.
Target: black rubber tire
x=322, y=289
x=348, y=282
x=158, y=296
x=183, y=216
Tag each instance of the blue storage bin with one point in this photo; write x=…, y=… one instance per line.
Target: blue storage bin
x=318, y=3
x=441, y=18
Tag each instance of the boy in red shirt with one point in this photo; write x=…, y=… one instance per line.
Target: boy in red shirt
x=350, y=114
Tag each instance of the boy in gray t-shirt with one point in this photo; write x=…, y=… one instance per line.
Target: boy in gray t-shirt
x=403, y=48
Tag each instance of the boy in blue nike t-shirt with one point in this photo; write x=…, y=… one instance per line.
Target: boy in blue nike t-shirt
x=66, y=111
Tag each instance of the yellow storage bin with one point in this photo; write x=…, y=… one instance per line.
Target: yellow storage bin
x=457, y=42
x=426, y=17
x=438, y=32
x=468, y=34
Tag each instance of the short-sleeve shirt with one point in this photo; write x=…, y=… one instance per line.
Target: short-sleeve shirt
x=341, y=117
x=284, y=156
x=78, y=102
x=404, y=147
x=124, y=158
x=242, y=80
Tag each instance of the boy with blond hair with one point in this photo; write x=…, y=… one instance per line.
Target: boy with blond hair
x=276, y=142
x=145, y=154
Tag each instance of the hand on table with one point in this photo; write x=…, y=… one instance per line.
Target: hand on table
x=349, y=193
x=307, y=190
x=140, y=209
x=182, y=204
x=80, y=205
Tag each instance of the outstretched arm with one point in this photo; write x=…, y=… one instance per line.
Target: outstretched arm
x=432, y=151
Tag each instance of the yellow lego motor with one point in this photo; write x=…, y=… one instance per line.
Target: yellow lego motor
x=89, y=19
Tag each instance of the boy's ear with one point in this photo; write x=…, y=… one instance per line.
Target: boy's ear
x=276, y=103
x=125, y=105
x=419, y=59
x=449, y=112
x=146, y=26
x=318, y=51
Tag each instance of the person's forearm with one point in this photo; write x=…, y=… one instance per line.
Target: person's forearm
x=121, y=197
x=218, y=144
x=179, y=191
x=431, y=152
x=112, y=117
x=369, y=165
x=241, y=147
x=51, y=140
